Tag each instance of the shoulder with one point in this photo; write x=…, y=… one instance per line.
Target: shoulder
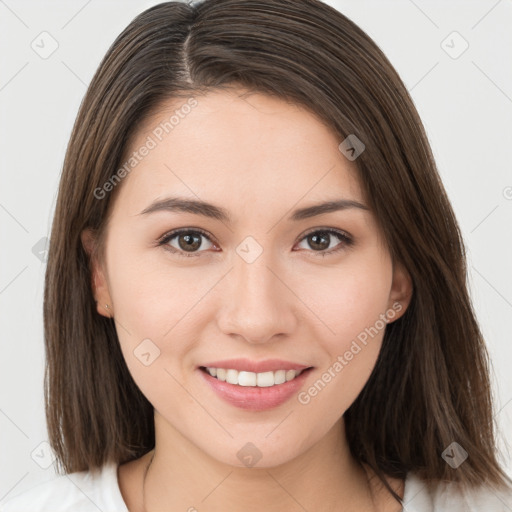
x=449, y=497
x=85, y=491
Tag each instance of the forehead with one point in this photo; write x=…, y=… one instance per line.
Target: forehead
x=237, y=147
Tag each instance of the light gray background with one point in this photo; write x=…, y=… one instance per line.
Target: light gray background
x=465, y=104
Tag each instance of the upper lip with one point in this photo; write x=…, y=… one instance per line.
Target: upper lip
x=246, y=365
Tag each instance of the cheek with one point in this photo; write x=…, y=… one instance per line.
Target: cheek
x=157, y=307
x=351, y=307
x=148, y=303
x=349, y=297
x=149, y=295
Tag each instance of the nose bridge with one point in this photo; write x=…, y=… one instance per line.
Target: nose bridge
x=254, y=281
x=257, y=305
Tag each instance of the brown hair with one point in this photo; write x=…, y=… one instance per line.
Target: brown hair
x=430, y=385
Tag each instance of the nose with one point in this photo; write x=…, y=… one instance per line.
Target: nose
x=256, y=303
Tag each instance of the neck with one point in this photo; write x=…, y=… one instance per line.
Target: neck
x=325, y=478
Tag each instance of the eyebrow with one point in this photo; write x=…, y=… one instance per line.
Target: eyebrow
x=197, y=207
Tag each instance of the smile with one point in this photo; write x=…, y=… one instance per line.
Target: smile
x=254, y=391
x=243, y=378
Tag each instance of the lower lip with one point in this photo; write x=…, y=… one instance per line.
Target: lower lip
x=253, y=398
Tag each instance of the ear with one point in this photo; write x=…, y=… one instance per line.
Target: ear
x=401, y=292
x=99, y=282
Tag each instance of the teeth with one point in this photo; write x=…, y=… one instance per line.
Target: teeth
x=246, y=379
x=262, y=380
x=232, y=376
x=280, y=376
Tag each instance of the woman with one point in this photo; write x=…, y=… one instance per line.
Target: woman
x=255, y=294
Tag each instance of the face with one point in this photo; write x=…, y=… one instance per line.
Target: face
x=259, y=284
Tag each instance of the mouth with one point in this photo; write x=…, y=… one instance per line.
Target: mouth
x=252, y=379
x=254, y=391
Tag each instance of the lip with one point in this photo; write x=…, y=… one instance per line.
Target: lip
x=246, y=365
x=254, y=398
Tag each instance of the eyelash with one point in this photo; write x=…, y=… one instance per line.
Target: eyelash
x=346, y=240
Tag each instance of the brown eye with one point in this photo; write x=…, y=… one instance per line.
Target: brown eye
x=188, y=241
x=320, y=241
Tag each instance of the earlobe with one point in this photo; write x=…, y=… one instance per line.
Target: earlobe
x=401, y=291
x=99, y=284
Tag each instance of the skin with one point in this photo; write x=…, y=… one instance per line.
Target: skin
x=260, y=158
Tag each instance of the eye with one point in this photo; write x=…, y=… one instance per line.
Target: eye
x=320, y=240
x=188, y=241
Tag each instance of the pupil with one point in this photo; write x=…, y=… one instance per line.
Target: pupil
x=189, y=242
x=321, y=241
x=315, y=238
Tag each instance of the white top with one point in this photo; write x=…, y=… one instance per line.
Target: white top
x=92, y=491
